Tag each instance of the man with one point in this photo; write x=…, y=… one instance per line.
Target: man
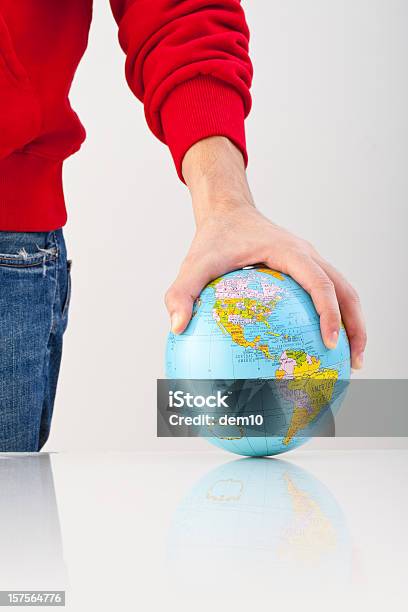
x=187, y=61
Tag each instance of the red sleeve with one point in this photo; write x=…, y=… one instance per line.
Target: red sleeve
x=187, y=60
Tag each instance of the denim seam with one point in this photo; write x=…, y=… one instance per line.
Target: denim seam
x=57, y=260
x=28, y=265
x=52, y=327
x=68, y=297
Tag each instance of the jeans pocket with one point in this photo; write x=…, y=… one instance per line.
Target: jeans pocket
x=27, y=260
x=28, y=250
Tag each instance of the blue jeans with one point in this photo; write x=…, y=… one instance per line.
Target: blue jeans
x=35, y=290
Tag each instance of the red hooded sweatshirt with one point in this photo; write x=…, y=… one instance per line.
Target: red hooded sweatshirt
x=186, y=60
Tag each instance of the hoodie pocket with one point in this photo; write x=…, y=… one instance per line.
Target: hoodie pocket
x=20, y=116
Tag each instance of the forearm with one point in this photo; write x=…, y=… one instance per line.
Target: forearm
x=214, y=171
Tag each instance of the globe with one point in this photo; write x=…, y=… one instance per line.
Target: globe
x=257, y=324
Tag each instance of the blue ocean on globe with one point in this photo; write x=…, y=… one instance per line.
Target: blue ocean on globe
x=259, y=324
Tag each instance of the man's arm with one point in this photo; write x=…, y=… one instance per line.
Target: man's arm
x=187, y=60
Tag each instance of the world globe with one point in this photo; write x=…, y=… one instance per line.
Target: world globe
x=259, y=326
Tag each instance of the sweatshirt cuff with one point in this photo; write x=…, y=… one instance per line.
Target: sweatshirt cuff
x=199, y=108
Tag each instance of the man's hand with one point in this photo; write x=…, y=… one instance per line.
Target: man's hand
x=231, y=233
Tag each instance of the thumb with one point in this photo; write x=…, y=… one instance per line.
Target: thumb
x=181, y=295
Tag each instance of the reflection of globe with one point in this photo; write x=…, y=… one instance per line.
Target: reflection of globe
x=265, y=517
x=260, y=324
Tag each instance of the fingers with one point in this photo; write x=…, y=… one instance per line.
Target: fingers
x=317, y=283
x=351, y=313
x=180, y=297
x=180, y=306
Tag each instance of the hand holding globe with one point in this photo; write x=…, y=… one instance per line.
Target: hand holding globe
x=231, y=233
x=284, y=325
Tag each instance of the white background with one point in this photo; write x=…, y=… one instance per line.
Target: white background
x=327, y=140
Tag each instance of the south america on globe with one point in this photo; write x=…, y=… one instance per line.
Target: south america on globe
x=259, y=324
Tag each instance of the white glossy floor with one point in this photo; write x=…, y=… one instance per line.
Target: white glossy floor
x=318, y=530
